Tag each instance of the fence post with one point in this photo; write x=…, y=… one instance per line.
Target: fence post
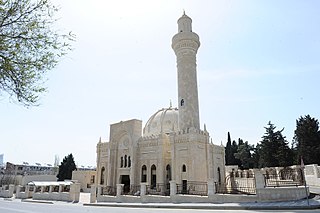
x=93, y=194
x=75, y=192
x=143, y=189
x=259, y=179
x=211, y=187
x=18, y=189
x=119, y=189
x=99, y=190
x=315, y=170
x=173, y=188
x=11, y=190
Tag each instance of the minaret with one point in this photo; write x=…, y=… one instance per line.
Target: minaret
x=185, y=45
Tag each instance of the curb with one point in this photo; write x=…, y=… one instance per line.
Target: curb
x=205, y=207
x=36, y=201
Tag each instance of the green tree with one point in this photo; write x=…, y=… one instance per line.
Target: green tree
x=29, y=47
x=229, y=152
x=244, y=154
x=256, y=155
x=307, y=140
x=274, y=149
x=65, y=169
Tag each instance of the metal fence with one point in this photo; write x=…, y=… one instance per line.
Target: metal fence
x=109, y=190
x=193, y=188
x=159, y=189
x=286, y=177
x=135, y=190
x=237, y=185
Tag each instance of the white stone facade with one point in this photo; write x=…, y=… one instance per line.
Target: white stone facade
x=171, y=146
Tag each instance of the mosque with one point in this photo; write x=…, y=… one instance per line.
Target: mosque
x=171, y=146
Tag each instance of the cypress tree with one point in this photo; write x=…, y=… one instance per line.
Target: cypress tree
x=65, y=169
x=307, y=140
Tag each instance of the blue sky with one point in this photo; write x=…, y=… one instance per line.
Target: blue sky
x=259, y=61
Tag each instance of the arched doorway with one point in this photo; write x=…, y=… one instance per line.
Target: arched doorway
x=102, y=176
x=219, y=176
x=125, y=179
x=168, y=178
x=153, y=176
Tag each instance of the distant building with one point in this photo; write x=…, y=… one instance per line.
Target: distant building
x=1, y=160
x=21, y=174
x=33, y=169
x=86, y=178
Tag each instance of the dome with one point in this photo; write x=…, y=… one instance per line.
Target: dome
x=163, y=121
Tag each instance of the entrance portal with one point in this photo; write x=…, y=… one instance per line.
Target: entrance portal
x=125, y=179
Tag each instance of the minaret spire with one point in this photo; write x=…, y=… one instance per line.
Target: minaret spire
x=185, y=45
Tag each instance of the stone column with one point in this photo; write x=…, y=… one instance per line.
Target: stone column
x=18, y=188
x=259, y=179
x=93, y=194
x=211, y=187
x=143, y=189
x=173, y=188
x=119, y=189
x=99, y=190
x=11, y=190
x=50, y=189
x=315, y=170
x=75, y=192
x=41, y=189
x=60, y=188
x=26, y=192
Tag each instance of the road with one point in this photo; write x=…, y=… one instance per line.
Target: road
x=25, y=207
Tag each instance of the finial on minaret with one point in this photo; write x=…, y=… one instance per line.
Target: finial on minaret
x=100, y=140
x=205, y=127
x=170, y=104
x=184, y=12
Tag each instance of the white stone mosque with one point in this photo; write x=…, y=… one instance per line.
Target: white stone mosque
x=171, y=146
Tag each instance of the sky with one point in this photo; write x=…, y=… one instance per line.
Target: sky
x=259, y=61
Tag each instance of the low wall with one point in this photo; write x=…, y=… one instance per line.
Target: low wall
x=62, y=196
x=7, y=191
x=312, y=175
x=24, y=192
x=282, y=193
x=71, y=196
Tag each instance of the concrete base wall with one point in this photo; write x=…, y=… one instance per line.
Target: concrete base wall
x=282, y=194
x=263, y=195
x=7, y=191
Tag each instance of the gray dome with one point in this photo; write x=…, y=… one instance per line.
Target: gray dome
x=163, y=121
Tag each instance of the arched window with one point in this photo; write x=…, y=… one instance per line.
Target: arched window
x=144, y=174
x=184, y=168
x=129, y=162
x=168, y=169
x=125, y=161
x=153, y=176
x=219, y=175
x=102, y=176
x=181, y=102
x=121, y=163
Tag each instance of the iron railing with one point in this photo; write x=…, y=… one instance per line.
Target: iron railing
x=159, y=189
x=193, y=188
x=235, y=188
x=134, y=190
x=109, y=190
x=285, y=177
